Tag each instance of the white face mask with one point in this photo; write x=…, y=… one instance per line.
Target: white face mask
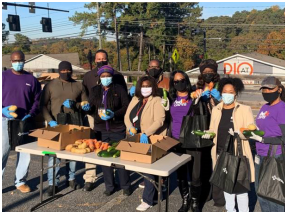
x=228, y=98
x=146, y=91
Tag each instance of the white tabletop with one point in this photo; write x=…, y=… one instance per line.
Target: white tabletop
x=163, y=167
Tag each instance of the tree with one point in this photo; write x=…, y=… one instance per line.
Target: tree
x=5, y=34
x=22, y=42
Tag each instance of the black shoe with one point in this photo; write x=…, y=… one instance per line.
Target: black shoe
x=184, y=191
x=73, y=184
x=109, y=193
x=195, y=195
x=127, y=192
x=49, y=191
x=88, y=186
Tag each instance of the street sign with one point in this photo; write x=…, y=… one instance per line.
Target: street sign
x=175, y=56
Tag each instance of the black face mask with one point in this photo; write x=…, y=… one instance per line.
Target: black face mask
x=102, y=63
x=155, y=73
x=207, y=77
x=270, y=97
x=180, y=86
x=66, y=76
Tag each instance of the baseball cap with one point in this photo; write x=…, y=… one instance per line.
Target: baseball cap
x=269, y=82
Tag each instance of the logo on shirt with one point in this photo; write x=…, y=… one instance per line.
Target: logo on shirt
x=224, y=170
x=182, y=102
x=263, y=115
x=28, y=84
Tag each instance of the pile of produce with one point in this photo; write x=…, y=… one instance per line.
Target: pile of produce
x=251, y=128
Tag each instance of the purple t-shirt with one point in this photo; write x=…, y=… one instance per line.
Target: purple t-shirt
x=21, y=90
x=268, y=119
x=178, y=110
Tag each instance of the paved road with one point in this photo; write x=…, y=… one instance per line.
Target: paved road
x=13, y=200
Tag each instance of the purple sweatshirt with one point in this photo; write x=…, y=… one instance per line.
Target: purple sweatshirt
x=21, y=90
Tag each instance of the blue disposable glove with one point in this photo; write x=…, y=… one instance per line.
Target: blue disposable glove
x=26, y=117
x=108, y=116
x=53, y=124
x=6, y=112
x=215, y=93
x=132, y=91
x=144, y=139
x=86, y=107
x=68, y=103
x=205, y=95
x=131, y=132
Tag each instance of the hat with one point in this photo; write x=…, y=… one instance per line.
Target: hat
x=270, y=82
x=65, y=65
x=107, y=69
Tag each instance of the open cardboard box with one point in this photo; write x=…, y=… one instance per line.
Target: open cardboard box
x=60, y=136
x=133, y=150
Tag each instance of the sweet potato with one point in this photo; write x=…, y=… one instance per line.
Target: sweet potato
x=88, y=150
x=69, y=147
x=91, y=145
x=78, y=142
x=80, y=151
x=82, y=146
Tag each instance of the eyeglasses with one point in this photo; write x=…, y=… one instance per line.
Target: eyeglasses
x=178, y=81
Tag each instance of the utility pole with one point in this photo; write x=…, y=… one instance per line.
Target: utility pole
x=127, y=47
x=204, y=43
x=117, y=41
x=141, y=48
x=99, y=26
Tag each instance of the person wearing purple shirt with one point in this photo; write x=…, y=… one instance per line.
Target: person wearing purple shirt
x=22, y=89
x=271, y=119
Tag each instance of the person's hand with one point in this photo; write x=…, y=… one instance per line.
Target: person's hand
x=68, y=103
x=231, y=132
x=144, y=139
x=53, y=123
x=6, y=112
x=132, y=90
x=215, y=93
x=108, y=115
x=86, y=107
x=26, y=117
x=165, y=102
x=131, y=130
x=256, y=137
x=206, y=135
x=205, y=95
x=198, y=94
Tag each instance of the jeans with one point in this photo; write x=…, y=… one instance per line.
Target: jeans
x=23, y=159
x=266, y=205
x=242, y=202
x=70, y=171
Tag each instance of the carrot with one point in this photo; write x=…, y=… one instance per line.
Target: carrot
x=91, y=145
x=95, y=141
x=98, y=145
x=242, y=129
x=210, y=85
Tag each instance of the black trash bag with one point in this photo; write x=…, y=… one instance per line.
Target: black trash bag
x=271, y=183
x=18, y=131
x=191, y=123
x=70, y=118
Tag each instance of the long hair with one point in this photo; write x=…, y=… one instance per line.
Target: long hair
x=207, y=64
x=153, y=83
x=172, y=90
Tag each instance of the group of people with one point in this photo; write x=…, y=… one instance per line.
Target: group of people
x=143, y=109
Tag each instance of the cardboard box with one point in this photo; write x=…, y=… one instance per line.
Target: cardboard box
x=59, y=137
x=133, y=150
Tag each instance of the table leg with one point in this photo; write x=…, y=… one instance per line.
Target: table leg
x=41, y=179
x=167, y=195
x=54, y=173
x=159, y=194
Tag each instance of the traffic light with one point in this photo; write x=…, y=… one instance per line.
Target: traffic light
x=31, y=9
x=14, y=22
x=4, y=6
x=46, y=24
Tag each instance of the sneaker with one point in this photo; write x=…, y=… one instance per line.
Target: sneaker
x=127, y=192
x=143, y=207
x=49, y=191
x=109, y=193
x=141, y=185
x=24, y=188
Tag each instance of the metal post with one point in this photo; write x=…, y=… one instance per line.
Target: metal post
x=41, y=179
x=167, y=195
x=159, y=194
x=54, y=174
x=204, y=43
x=99, y=26
x=118, y=43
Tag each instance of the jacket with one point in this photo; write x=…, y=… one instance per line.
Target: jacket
x=120, y=105
x=152, y=118
x=56, y=92
x=242, y=117
x=91, y=79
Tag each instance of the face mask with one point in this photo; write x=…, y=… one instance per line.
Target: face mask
x=207, y=77
x=102, y=63
x=106, y=81
x=155, y=73
x=180, y=86
x=227, y=98
x=66, y=76
x=146, y=91
x=18, y=66
x=270, y=97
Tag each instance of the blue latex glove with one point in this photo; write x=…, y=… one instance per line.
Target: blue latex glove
x=68, y=103
x=53, y=124
x=205, y=95
x=6, y=112
x=131, y=132
x=86, y=107
x=107, y=117
x=144, y=139
x=26, y=117
x=215, y=93
x=132, y=91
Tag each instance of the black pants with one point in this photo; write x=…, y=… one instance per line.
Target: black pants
x=108, y=172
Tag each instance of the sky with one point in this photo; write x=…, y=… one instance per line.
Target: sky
x=62, y=27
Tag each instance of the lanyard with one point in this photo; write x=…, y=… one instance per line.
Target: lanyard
x=136, y=117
